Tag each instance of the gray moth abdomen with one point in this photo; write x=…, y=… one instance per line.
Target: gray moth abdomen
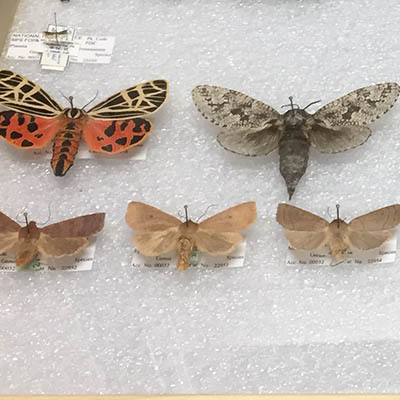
x=293, y=157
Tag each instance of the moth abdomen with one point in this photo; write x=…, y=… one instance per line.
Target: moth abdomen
x=65, y=147
x=293, y=157
x=185, y=246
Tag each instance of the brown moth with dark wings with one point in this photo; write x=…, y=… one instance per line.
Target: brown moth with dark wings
x=252, y=128
x=306, y=231
x=159, y=233
x=57, y=240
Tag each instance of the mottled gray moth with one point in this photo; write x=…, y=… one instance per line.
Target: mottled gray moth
x=252, y=128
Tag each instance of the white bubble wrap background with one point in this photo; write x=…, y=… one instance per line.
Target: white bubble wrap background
x=258, y=329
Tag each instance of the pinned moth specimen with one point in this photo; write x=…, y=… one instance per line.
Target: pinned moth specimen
x=159, y=233
x=56, y=33
x=57, y=240
x=114, y=125
x=252, y=128
x=306, y=231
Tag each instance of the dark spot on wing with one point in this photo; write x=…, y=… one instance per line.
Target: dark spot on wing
x=15, y=135
x=26, y=143
x=136, y=139
x=107, y=148
x=110, y=130
x=32, y=126
x=122, y=141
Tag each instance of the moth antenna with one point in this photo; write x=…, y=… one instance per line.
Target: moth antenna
x=49, y=216
x=205, y=212
x=291, y=105
x=70, y=99
x=186, y=214
x=314, y=102
x=329, y=213
x=17, y=217
x=94, y=98
x=337, y=215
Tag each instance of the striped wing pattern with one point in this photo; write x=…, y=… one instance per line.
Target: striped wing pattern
x=18, y=93
x=139, y=100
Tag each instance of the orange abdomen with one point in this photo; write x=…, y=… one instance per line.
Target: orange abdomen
x=65, y=147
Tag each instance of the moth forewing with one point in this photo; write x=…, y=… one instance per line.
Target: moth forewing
x=361, y=106
x=385, y=218
x=297, y=219
x=235, y=218
x=139, y=100
x=7, y=224
x=83, y=226
x=231, y=109
x=18, y=93
x=144, y=218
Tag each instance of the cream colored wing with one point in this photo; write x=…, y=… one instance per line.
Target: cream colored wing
x=297, y=219
x=139, y=100
x=156, y=243
x=60, y=246
x=368, y=240
x=380, y=220
x=216, y=243
x=7, y=240
x=306, y=240
x=233, y=219
x=144, y=218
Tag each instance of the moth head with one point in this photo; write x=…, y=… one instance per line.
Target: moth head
x=296, y=115
x=30, y=230
x=72, y=112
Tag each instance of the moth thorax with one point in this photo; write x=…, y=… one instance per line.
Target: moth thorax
x=31, y=231
x=73, y=113
x=338, y=240
x=185, y=246
x=295, y=117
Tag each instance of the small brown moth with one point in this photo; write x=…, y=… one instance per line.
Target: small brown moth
x=159, y=233
x=56, y=240
x=306, y=231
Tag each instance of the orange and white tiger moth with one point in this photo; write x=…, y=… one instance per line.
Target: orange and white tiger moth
x=33, y=119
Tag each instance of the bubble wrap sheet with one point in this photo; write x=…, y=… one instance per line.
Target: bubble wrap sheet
x=262, y=328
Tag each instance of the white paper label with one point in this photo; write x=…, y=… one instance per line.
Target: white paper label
x=232, y=260
x=55, y=52
x=134, y=153
x=79, y=262
x=94, y=49
x=321, y=257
